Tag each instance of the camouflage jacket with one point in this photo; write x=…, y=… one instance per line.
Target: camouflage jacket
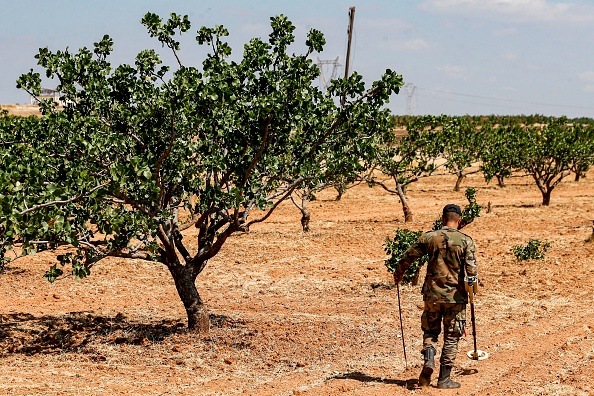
x=451, y=258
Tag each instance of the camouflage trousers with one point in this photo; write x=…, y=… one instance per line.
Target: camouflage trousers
x=453, y=317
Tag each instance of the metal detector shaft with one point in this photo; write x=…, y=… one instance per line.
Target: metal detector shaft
x=401, y=327
x=473, y=326
x=474, y=354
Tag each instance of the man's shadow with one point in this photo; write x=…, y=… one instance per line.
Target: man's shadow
x=409, y=384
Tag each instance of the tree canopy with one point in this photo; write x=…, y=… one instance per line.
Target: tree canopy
x=142, y=152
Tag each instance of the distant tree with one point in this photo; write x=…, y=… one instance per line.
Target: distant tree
x=547, y=153
x=341, y=166
x=461, y=139
x=141, y=153
x=583, y=121
x=582, y=146
x=341, y=186
x=499, y=151
x=405, y=160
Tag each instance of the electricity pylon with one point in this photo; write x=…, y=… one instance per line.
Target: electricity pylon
x=324, y=65
x=411, y=98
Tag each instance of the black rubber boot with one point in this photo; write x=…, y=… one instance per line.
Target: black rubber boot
x=428, y=367
x=444, y=381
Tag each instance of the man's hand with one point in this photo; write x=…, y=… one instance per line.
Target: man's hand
x=398, y=277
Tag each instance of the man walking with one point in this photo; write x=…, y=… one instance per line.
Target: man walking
x=451, y=259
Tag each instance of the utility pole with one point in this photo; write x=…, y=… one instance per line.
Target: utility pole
x=348, y=56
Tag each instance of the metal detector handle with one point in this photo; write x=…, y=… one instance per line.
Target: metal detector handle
x=471, y=285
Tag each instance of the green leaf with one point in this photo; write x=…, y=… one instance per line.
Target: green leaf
x=53, y=273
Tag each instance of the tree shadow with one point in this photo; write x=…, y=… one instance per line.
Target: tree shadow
x=525, y=206
x=23, y=333
x=409, y=384
x=12, y=270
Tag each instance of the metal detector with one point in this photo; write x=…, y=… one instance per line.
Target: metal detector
x=471, y=285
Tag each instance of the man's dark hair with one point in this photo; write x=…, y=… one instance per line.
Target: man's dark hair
x=450, y=216
x=452, y=208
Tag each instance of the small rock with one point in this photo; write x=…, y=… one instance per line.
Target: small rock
x=57, y=297
x=228, y=360
x=300, y=364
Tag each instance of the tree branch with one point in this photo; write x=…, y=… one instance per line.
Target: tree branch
x=165, y=155
x=63, y=202
x=177, y=240
x=286, y=194
x=337, y=122
x=260, y=151
x=215, y=248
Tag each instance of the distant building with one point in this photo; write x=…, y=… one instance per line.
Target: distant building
x=47, y=93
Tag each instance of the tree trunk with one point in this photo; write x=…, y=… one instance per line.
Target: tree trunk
x=408, y=214
x=500, y=181
x=185, y=283
x=340, y=189
x=545, y=189
x=305, y=218
x=578, y=174
x=546, y=196
x=338, y=195
x=459, y=181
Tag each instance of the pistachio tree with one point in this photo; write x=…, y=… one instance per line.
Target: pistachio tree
x=143, y=152
x=499, y=151
x=11, y=139
x=342, y=166
x=582, y=148
x=404, y=160
x=548, y=152
x=462, y=141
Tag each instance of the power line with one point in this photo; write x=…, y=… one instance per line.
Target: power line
x=501, y=106
x=505, y=100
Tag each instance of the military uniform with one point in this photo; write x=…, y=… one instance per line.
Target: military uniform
x=451, y=258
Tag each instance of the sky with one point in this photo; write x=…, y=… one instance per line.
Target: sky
x=477, y=57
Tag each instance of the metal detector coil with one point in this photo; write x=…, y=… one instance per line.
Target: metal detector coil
x=477, y=355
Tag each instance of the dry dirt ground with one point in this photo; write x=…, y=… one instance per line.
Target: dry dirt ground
x=21, y=109
x=316, y=314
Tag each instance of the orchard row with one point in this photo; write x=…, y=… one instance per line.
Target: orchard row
x=548, y=149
